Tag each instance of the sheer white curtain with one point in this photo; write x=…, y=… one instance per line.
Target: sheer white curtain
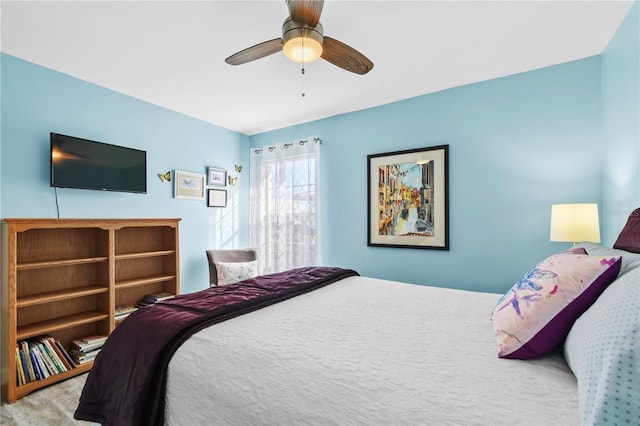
x=285, y=205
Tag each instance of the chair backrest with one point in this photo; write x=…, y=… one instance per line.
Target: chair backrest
x=231, y=256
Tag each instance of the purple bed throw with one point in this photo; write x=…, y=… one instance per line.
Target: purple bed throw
x=126, y=385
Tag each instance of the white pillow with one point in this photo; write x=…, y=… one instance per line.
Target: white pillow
x=232, y=272
x=602, y=348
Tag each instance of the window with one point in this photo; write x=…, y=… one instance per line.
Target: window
x=284, y=205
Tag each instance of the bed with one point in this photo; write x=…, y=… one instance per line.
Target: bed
x=358, y=350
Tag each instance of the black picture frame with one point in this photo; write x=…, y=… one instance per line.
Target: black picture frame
x=216, y=197
x=408, y=198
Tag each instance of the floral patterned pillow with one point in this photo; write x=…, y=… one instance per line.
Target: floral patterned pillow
x=232, y=272
x=536, y=314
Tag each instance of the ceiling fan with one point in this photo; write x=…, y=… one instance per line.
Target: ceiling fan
x=303, y=40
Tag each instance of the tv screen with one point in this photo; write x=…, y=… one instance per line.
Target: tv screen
x=85, y=164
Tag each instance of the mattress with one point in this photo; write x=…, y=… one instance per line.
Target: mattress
x=365, y=351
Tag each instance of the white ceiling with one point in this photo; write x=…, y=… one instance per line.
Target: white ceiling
x=171, y=53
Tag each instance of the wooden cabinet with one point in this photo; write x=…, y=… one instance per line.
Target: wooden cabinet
x=64, y=277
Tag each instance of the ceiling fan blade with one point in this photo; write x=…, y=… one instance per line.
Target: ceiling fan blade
x=345, y=57
x=305, y=11
x=255, y=52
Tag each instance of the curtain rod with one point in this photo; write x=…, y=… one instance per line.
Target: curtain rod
x=287, y=145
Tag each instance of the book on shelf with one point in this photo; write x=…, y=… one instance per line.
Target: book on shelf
x=44, y=371
x=57, y=362
x=40, y=357
x=123, y=311
x=85, y=349
x=87, y=344
x=123, y=316
x=65, y=355
x=24, y=349
x=84, y=357
x=45, y=359
x=152, y=299
x=95, y=339
x=64, y=364
x=36, y=367
x=158, y=297
x=20, y=369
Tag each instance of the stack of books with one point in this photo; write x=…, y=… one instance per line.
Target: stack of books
x=123, y=311
x=41, y=357
x=152, y=299
x=85, y=349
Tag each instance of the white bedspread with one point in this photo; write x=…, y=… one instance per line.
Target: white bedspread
x=365, y=351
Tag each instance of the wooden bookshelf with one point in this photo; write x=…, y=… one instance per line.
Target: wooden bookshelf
x=64, y=277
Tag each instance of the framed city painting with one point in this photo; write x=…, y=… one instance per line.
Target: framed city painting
x=408, y=198
x=189, y=185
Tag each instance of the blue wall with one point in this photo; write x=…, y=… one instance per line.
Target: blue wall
x=517, y=145
x=621, y=125
x=567, y=133
x=37, y=100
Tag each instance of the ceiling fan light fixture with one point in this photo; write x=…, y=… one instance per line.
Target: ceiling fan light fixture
x=302, y=49
x=301, y=42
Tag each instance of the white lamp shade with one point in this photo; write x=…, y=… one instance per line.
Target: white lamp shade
x=575, y=223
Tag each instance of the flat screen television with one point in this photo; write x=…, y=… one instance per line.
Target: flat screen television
x=85, y=164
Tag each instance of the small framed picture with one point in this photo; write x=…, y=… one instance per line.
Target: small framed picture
x=189, y=185
x=216, y=176
x=217, y=198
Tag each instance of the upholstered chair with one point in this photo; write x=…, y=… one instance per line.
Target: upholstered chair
x=221, y=259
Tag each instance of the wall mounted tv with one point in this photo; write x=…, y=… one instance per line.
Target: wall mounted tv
x=85, y=164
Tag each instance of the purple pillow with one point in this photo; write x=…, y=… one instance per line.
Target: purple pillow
x=536, y=314
x=629, y=238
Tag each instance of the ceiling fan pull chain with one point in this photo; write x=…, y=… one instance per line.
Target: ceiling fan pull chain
x=302, y=68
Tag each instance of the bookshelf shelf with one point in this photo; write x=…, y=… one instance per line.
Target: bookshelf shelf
x=143, y=281
x=64, y=277
x=38, y=384
x=145, y=254
x=54, y=296
x=58, y=263
x=44, y=327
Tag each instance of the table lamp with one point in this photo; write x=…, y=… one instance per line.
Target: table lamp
x=575, y=223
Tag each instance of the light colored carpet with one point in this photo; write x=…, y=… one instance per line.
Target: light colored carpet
x=53, y=405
